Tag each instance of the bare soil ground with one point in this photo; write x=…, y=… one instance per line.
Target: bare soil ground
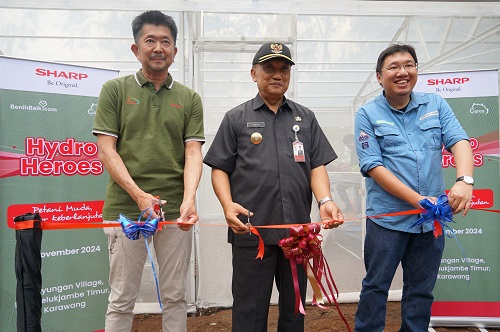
x=317, y=320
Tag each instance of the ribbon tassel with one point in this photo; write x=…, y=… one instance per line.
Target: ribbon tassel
x=440, y=214
x=304, y=245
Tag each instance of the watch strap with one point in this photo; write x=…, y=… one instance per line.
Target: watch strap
x=324, y=200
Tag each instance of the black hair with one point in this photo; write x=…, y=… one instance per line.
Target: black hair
x=393, y=49
x=154, y=17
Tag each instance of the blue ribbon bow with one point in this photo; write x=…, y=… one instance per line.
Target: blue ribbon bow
x=441, y=212
x=134, y=230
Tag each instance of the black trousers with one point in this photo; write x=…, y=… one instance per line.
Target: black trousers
x=28, y=265
x=252, y=287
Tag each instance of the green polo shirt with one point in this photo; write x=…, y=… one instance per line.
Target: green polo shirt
x=151, y=128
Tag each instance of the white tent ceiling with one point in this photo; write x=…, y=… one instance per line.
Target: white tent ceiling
x=447, y=35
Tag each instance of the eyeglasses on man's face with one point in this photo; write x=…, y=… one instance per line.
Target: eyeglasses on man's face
x=406, y=67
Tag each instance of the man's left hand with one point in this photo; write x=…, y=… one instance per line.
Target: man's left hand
x=330, y=212
x=459, y=197
x=188, y=217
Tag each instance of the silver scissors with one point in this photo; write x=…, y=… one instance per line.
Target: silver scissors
x=248, y=223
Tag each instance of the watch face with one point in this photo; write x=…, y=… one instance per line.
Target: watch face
x=468, y=179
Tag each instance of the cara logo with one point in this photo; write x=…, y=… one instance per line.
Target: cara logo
x=479, y=109
x=92, y=109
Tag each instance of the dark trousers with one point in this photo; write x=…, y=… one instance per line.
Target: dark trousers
x=420, y=256
x=28, y=264
x=252, y=287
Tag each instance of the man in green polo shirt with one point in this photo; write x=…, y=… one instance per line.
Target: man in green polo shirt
x=149, y=132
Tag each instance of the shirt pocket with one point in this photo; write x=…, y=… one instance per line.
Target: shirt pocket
x=390, y=140
x=431, y=131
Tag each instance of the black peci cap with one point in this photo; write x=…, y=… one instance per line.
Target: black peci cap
x=272, y=50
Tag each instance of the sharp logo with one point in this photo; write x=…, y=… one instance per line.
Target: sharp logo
x=60, y=74
x=444, y=81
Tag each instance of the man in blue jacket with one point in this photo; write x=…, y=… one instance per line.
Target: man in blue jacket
x=399, y=137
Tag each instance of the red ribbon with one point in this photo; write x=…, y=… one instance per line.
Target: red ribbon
x=304, y=245
x=52, y=225
x=260, y=252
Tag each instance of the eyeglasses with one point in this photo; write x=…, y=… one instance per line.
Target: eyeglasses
x=406, y=67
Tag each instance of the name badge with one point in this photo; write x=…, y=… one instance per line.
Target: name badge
x=256, y=124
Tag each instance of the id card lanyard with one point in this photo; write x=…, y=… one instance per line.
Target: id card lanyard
x=298, y=147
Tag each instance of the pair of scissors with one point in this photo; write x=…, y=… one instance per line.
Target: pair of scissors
x=157, y=208
x=248, y=224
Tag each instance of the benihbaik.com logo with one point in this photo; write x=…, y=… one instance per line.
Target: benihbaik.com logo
x=41, y=107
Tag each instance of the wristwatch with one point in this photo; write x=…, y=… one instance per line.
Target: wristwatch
x=324, y=200
x=465, y=178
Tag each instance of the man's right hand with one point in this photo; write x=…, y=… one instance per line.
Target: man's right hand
x=147, y=201
x=431, y=199
x=231, y=213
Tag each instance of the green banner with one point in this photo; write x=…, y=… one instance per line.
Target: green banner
x=467, y=283
x=49, y=165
